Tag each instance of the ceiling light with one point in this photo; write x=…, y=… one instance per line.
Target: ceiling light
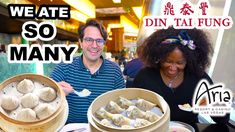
x=84, y=6
x=78, y=16
x=116, y=1
x=128, y=25
x=138, y=11
x=111, y=10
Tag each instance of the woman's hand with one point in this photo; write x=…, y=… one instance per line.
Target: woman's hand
x=67, y=88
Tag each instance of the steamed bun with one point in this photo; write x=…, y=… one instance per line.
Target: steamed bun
x=47, y=94
x=9, y=102
x=26, y=114
x=44, y=110
x=25, y=86
x=29, y=100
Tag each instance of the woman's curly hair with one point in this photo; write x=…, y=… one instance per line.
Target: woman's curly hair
x=152, y=51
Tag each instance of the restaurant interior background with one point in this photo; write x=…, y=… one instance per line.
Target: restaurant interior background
x=124, y=26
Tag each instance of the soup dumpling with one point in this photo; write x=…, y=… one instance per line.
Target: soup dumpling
x=26, y=114
x=47, y=94
x=9, y=102
x=44, y=110
x=25, y=86
x=29, y=100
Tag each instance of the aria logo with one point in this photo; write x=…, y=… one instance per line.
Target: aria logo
x=213, y=100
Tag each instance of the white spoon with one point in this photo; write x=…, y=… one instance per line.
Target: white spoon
x=185, y=107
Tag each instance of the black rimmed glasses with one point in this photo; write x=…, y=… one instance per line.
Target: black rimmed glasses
x=90, y=41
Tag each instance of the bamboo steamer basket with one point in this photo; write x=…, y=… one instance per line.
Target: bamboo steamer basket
x=161, y=125
x=49, y=124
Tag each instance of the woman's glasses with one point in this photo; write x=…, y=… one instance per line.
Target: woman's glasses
x=90, y=41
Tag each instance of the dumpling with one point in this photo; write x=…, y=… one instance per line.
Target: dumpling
x=9, y=102
x=44, y=110
x=120, y=120
x=103, y=114
x=25, y=86
x=124, y=103
x=29, y=100
x=144, y=104
x=133, y=112
x=114, y=108
x=106, y=122
x=141, y=123
x=47, y=94
x=150, y=116
x=27, y=115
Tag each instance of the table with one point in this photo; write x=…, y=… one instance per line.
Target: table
x=214, y=127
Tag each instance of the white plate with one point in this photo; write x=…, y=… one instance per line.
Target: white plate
x=177, y=126
x=75, y=127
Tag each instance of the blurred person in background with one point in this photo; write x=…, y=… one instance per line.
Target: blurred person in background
x=38, y=41
x=175, y=61
x=2, y=48
x=124, y=56
x=90, y=71
x=131, y=69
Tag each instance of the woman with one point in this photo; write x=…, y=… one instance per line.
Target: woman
x=175, y=61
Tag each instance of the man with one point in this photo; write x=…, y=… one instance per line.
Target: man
x=89, y=71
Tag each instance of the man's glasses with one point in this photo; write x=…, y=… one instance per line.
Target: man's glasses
x=90, y=41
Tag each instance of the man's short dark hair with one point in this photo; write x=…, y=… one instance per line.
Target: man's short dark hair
x=94, y=23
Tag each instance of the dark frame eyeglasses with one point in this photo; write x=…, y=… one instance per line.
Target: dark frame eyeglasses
x=89, y=41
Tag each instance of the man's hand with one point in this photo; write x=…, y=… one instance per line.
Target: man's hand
x=67, y=88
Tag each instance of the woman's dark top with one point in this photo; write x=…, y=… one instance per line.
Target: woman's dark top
x=150, y=78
